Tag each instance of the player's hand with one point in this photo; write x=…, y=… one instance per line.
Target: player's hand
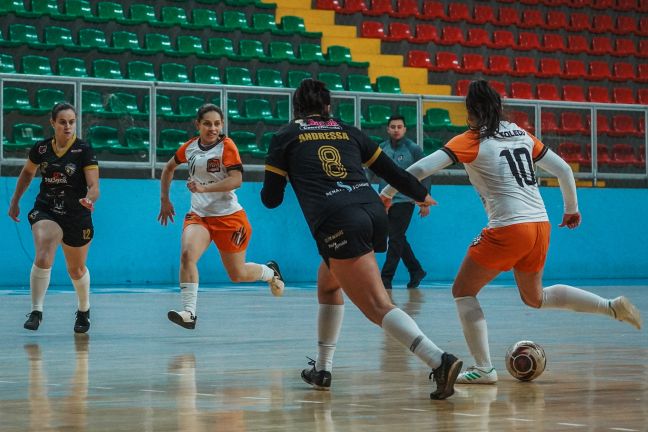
x=571, y=220
x=166, y=212
x=424, y=211
x=195, y=187
x=14, y=211
x=429, y=201
x=387, y=202
x=87, y=203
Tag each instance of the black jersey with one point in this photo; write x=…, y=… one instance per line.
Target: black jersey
x=63, y=180
x=324, y=159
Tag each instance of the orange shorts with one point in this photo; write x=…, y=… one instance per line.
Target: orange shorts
x=520, y=246
x=230, y=233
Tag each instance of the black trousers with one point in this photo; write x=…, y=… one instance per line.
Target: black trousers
x=400, y=215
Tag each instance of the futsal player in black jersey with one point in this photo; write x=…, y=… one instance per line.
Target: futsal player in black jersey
x=62, y=212
x=323, y=159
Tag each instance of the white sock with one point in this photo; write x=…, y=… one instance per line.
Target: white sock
x=575, y=299
x=402, y=327
x=266, y=273
x=39, y=280
x=474, y=329
x=189, y=295
x=329, y=323
x=82, y=288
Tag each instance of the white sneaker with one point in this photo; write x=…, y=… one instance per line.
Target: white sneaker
x=626, y=311
x=276, y=283
x=183, y=318
x=477, y=375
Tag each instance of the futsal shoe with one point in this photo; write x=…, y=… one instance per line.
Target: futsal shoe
x=276, y=283
x=320, y=380
x=82, y=322
x=183, y=318
x=445, y=376
x=34, y=319
x=477, y=375
x=416, y=278
x=624, y=310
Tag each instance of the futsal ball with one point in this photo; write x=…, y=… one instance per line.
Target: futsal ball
x=525, y=360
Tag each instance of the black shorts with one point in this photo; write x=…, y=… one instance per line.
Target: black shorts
x=77, y=229
x=353, y=231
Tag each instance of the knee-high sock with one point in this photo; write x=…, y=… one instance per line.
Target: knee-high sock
x=329, y=323
x=474, y=329
x=82, y=288
x=404, y=329
x=575, y=299
x=266, y=273
x=189, y=295
x=39, y=280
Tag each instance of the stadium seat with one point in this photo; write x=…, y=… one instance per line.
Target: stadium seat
x=623, y=125
x=124, y=104
x=359, y=83
x=125, y=41
x=46, y=98
x=641, y=157
x=234, y=20
x=107, y=69
x=521, y=90
x=221, y=47
x=174, y=72
x=528, y=41
x=203, y=19
x=246, y=143
x=577, y=44
x=141, y=70
x=92, y=102
x=499, y=87
x=328, y=5
x=602, y=4
x=445, y=61
x=602, y=155
x=642, y=73
x=59, y=36
x=438, y=120
x=280, y=51
x=548, y=123
x=571, y=153
x=431, y=144
x=458, y=12
x=598, y=70
x=25, y=135
x=547, y=91
x=387, y=84
x=398, y=32
x=573, y=93
x=602, y=126
x=311, y=53
x=45, y=7
x=478, y=37
x=498, y=65
x=579, y=22
x=136, y=141
x=265, y=22
x=599, y=94
x=502, y=39
x=206, y=74
x=601, y=45
x=36, y=65
x=524, y=66
x=532, y=18
x=574, y=69
x=624, y=48
x=188, y=106
x=625, y=25
x=269, y=78
x=549, y=68
x=333, y=80
x=372, y=29
x=24, y=34
x=472, y=63
x=483, y=14
x=295, y=77
x=521, y=119
x=406, y=9
x=337, y=54
x=173, y=16
x=426, y=33
x=346, y=112
x=461, y=87
x=556, y=20
x=571, y=123
x=92, y=38
x=451, y=36
x=623, y=95
x=295, y=25
x=158, y=43
x=552, y=42
x=170, y=141
x=140, y=14
x=108, y=11
x=643, y=26
x=507, y=17
x=642, y=96
x=188, y=45
x=623, y=155
x=283, y=110
x=102, y=137
x=411, y=115
x=251, y=49
x=238, y=76
x=623, y=72
x=602, y=24
x=352, y=6
x=379, y=7
x=377, y=116
x=71, y=66
x=77, y=9
x=163, y=107
x=7, y=64
x=432, y=10
x=257, y=110
x=418, y=58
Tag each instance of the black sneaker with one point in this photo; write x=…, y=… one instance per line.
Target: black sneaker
x=320, y=380
x=82, y=323
x=445, y=376
x=387, y=283
x=34, y=319
x=416, y=278
x=183, y=318
x=276, y=283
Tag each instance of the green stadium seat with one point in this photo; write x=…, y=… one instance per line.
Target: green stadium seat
x=280, y=51
x=25, y=135
x=172, y=16
x=59, y=36
x=107, y=69
x=438, y=119
x=15, y=6
x=283, y=110
x=140, y=14
x=264, y=22
x=266, y=139
x=410, y=114
x=125, y=41
x=163, y=107
x=387, y=84
x=24, y=34
x=7, y=64
x=157, y=43
x=377, y=116
x=295, y=24
x=240, y=3
x=92, y=102
x=233, y=113
x=141, y=70
x=238, y=76
x=203, y=19
x=77, y=9
x=310, y=53
x=359, y=83
x=251, y=49
x=103, y=137
x=174, y=72
x=269, y=78
x=206, y=74
x=92, y=38
x=170, y=141
x=346, y=112
x=333, y=80
x=189, y=45
x=188, y=106
x=295, y=77
x=136, y=141
x=430, y=145
x=8, y=43
x=245, y=142
x=108, y=11
x=221, y=47
x=45, y=7
x=46, y=98
x=337, y=54
x=72, y=66
x=36, y=65
x=259, y=110
x=235, y=20
x=14, y=99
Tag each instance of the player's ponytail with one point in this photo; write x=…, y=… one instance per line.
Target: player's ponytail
x=311, y=98
x=61, y=106
x=484, y=107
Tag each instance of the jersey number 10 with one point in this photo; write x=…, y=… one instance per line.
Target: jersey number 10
x=521, y=169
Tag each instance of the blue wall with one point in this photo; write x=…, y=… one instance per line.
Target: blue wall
x=131, y=247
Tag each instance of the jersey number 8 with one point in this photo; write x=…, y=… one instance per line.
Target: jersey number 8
x=331, y=162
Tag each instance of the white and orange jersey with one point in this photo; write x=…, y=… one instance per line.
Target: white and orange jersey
x=502, y=170
x=209, y=165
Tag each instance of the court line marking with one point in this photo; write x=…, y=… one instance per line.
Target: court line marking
x=467, y=415
x=413, y=409
x=102, y=388
x=624, y=429
x=360, y=405
x=519, y=419
x=572, y=424
x=9, y=382
x=152, y=391
x=205, y=394
x=312, y=402
x=255, y=398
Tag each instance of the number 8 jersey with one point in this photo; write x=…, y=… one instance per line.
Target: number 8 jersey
x=502, y=170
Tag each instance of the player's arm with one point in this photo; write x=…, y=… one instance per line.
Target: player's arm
x=555, y=165
x=91, y=174
x=276, y=175
x=233, y=181
x=24, y=180
x=422, y=169
x=166, y=207
x=400, y=179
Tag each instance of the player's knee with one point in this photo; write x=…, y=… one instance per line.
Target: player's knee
x=187, y=258
x=237, y=277
x=76, y=272
x=532, y=301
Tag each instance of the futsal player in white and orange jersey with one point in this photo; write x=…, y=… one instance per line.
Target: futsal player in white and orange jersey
x=500, y=160
x=215, y=171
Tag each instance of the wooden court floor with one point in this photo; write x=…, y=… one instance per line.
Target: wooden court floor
x=239, y=370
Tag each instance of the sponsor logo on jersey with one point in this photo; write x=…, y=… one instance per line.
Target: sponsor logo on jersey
x=70, y=169
x=57, y=178
x=42, y=149
x=323, y=136
x=213, y=165
x=76, y=150
x=311, y=124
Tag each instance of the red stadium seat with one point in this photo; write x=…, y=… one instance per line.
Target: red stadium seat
x=579, y=22
x=577, y=4
x=622, y=125
x=406, y=8
x=574, y=69
x=623, y=95
x=372, y=29
x=548, y=122
x=601, y=45
x=571, y=153
x=642, y=96
x=462, y=87
x=603, y=4
x=643, y=48
x=556, y=20
x=503, y=39
x=507, y=16
x=425, y=33
x=643, y=73
x=521, y=118
x=577, y=44
x=524, y=66
x=602, y=154
x=398, y=31
x=626, y=5
x=598, y=70
x=547, y=92
x=445, y=61
x=641, y=156
x=625, y=25
x=499, y=87
x=353, y=6
x=599, y=94
x=379, y=7
x=521, y=90
x=327, y=5
x=571, y=123
x=433, y=9
x=623, y=155
x=602, y=124
x=549, y=67
x=532, y=18
x=552, y=42
x=602, y=24
x=623, y=72
x=472, y=63
x=478, y=37
x=417, y=58
x=499, y=65
x=573, y=93
x=528, y=41
x=624, y=48
x=451, y=36
x=483, y=14
x=458, y=12
x=643, y=26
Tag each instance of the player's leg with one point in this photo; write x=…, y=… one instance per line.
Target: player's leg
x=329, y=324
x=75, y=258
x=47, y=235
x=472, y=277
x=399, y=215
